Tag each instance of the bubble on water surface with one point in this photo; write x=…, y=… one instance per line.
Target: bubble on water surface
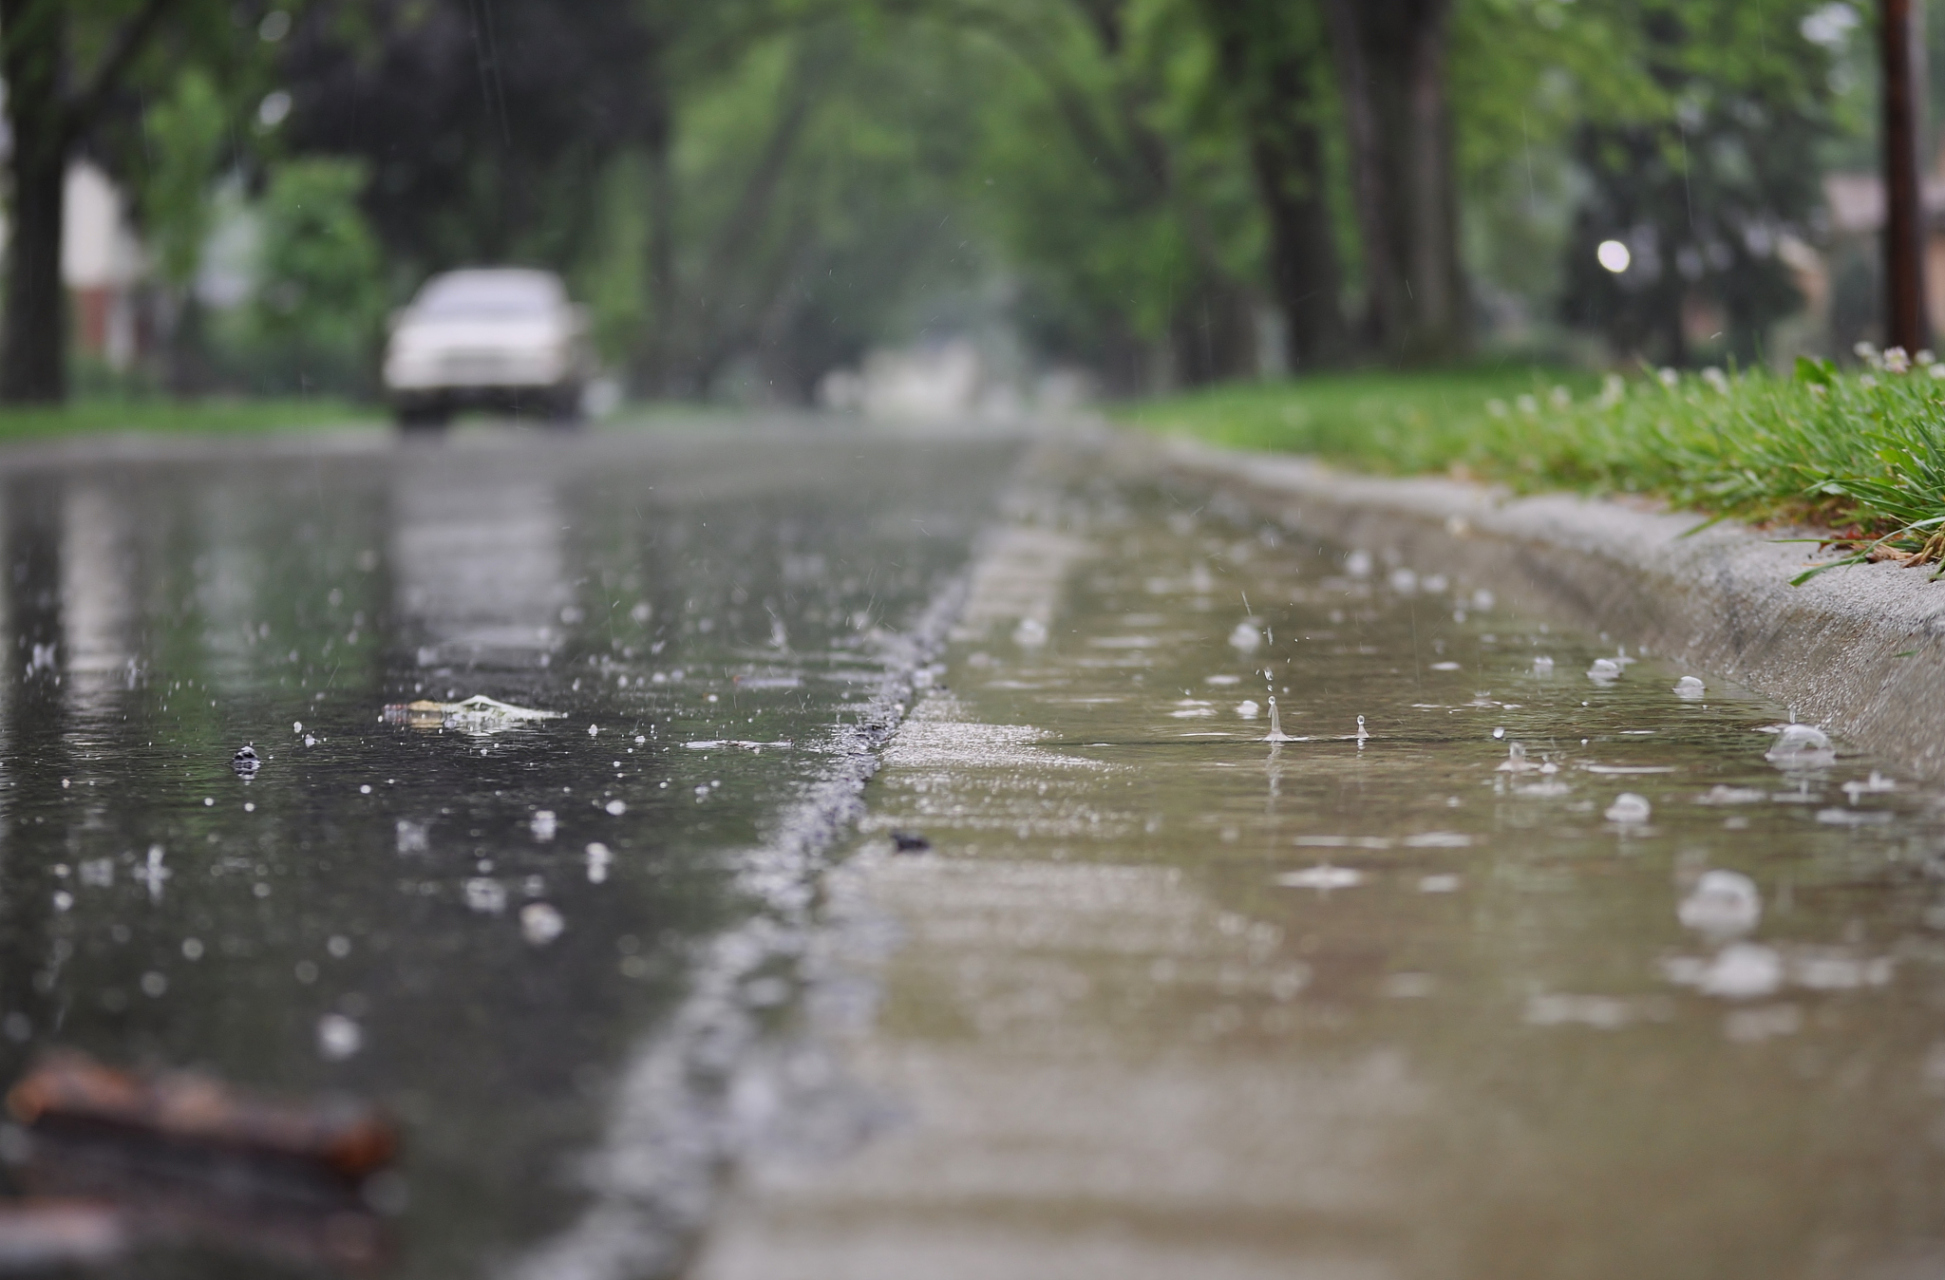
x=1723, y=903
x=1721, y=795
x=1876, y=784
x=1801, y=746
x=1603, y=1013
x=338, y=1037
x=1604, y=671
x=1742, y=971
x=1766, y=1022
x=1248, y=709
x=1689, y=689
x=540, y=923
x=1323, y=877
x=486, y=895
x=1628, y=808
x=1543, y=666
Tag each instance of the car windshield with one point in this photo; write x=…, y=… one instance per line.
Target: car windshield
x=485, y=294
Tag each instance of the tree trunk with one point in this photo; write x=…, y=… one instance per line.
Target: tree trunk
x=1269, y=54
x=1391, y=57
x=33, y=349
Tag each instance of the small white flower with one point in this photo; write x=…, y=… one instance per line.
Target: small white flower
x=1896, y=361
x=1669, y=378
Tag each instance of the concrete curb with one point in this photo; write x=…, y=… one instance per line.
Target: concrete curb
x=1860, y=651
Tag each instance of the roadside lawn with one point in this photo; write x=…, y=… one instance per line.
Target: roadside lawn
x=116, y=415
x=1857, y=457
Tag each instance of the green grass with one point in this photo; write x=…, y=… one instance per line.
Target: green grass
x=1859, y=457
x=98, y=415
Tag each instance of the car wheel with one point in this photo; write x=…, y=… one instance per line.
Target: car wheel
x=561, y=407
x=416, y=416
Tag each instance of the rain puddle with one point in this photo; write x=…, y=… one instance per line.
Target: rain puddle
x=525, y=723
x=1284, y=911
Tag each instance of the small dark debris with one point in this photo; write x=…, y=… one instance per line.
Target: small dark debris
x=909, y=842
x=246, y=761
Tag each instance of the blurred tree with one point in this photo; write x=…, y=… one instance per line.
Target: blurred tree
x=321, y=288
x=64, y=63
x=187, y=134
x=486, y=126
x=1704, y=187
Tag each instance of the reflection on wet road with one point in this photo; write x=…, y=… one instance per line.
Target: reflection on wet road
x=473, y=918
x=1288, y=913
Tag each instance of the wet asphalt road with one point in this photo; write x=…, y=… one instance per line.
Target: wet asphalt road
x=1285, y=911
x=478, y=925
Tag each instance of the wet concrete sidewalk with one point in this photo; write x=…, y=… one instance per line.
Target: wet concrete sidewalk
x=1653, y=992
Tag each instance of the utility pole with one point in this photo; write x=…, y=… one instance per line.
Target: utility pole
x=1902, y=46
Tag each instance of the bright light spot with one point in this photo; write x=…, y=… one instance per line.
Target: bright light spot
x=272, y=110
x=275, y=26
x=1614, y=256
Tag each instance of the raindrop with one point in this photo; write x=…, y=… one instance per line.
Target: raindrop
x=1245, y=638
x=541, y=923
x=599, y=857
x=616, y=808
x=543, y=825
x=1030, y=634
x=338, y=1037
x=154, y=984
x=192, y=948
x=486, y=895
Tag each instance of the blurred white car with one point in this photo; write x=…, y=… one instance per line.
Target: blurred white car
x=500, y=338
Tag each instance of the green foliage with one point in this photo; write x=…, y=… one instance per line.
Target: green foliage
x=186, y=133
x=320, y=277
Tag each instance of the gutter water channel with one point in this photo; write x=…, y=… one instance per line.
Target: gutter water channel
x=1498, y=949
